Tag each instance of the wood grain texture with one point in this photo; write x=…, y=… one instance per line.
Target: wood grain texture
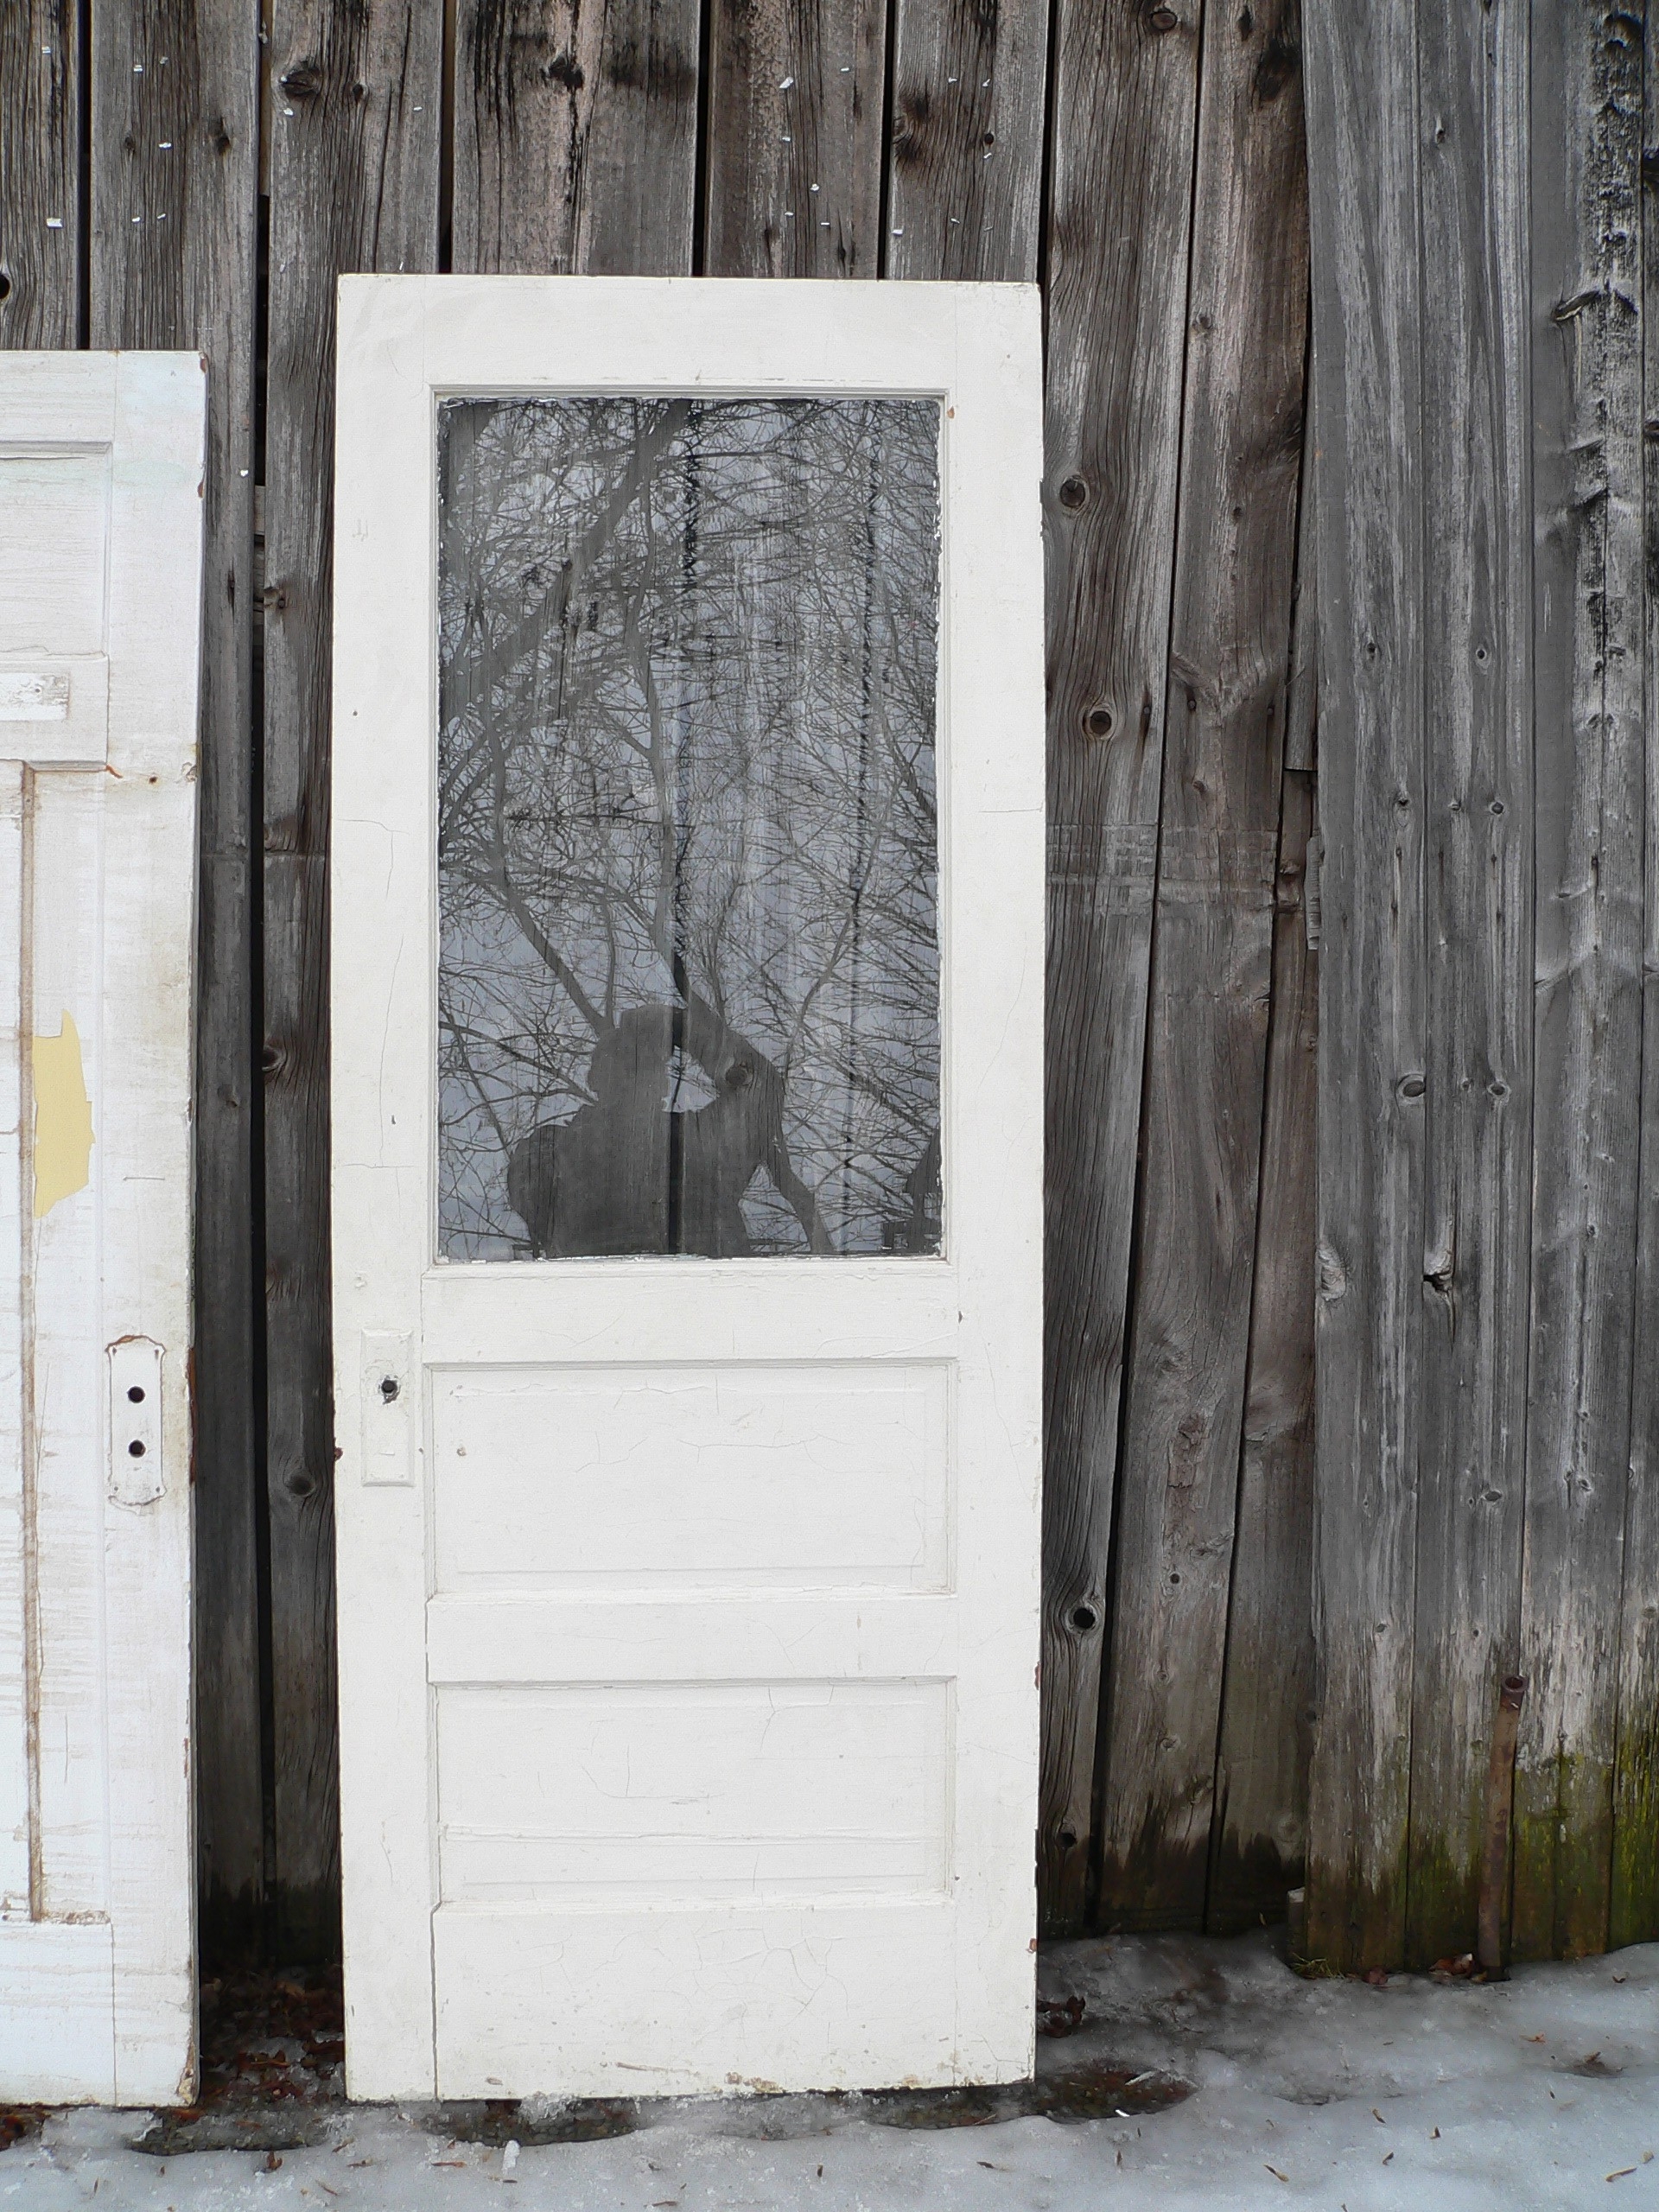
x=575, y=137
x=965, y=139
x=1362, y=127
x=795, y=138
x=1125, y=112
x=1635, y=1904
x=1259, y=1834
x=1477, y=884
x=1586, y=408
x=41, y=74
x=355, y=109
x=1211, y=971
x=173, y=186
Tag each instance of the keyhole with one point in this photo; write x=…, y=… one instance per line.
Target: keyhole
x=389, y=1388
x=136, y=1395
x=136, y=1449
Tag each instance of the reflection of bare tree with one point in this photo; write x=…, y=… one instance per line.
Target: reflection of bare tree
x=689, y=971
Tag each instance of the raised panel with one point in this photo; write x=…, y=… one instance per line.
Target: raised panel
x=55, y=516
x=569, y=1794
x=742, y=1476
x=837, y=1993
x=57, y=2021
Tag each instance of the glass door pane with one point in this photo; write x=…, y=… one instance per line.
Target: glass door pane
x=689, y=967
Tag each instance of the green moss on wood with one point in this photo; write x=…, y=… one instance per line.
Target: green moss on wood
x=1635, y=1911
x=1563, y=1851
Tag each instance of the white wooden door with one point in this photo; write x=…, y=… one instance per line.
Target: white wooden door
x=687, y=965
x=100, y=588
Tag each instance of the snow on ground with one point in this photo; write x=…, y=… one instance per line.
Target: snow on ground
x=1541, y=2092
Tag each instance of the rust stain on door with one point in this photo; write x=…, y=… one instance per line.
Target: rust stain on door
x=63, y=1118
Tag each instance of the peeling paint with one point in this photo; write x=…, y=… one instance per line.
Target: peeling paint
x=63, y=1119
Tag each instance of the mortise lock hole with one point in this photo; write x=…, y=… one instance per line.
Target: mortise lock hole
x=1084, y=1618
x=389, y=1386
x=136, y=1449
x=136, y=1395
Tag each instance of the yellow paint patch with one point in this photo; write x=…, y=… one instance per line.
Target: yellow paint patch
x=63, y=1119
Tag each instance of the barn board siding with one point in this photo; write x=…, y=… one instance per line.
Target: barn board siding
x=965, y=140
x=796, y=119
x=1123, y=131
x=1587, y=377
x=41, y=227
x=1635, y=1904
x=575, y=143
x=356, y=99
x=1478, y=883
x=175, y=113
x=1210, y=972
x=1364, y=125
x=1484, y=1488
x=575, y=137
x=1259, y=1834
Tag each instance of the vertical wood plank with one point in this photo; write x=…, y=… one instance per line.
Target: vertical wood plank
x=1478, y=882
x=1635, y=1915
x=1363, y=129
x=1259, y=1839
x=41, y=74
x=795, y=138
x=575, y=137
x=174, y=185
x=1211, y=969
x=965, y=140
x=355, y=107
x=1587, y=131
x=1124, y=121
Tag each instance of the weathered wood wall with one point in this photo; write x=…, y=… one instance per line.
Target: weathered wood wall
x=197, y=172
x=1489, y=1184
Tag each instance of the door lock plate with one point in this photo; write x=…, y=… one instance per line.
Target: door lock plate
x=136, y=1476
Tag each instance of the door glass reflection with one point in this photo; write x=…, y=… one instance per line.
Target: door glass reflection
x=688, y=967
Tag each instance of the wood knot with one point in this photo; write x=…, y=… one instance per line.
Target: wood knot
x=1277, y=63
